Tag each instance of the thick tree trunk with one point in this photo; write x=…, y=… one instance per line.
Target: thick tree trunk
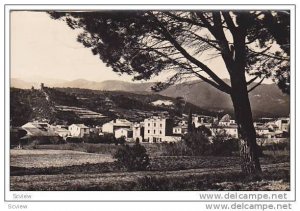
x=247, y=135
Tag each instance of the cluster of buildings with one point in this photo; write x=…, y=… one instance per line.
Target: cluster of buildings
x=157, y=129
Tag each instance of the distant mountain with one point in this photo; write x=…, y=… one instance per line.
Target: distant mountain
x=266, y=100
x=110, y=85
x=35, y=82
x=18, y=83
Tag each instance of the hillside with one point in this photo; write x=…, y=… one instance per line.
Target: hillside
x=92, y=107
x=266, y=100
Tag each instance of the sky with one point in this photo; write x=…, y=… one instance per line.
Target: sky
x=45, y=48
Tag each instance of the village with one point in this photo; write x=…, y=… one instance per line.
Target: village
x=156, y=129
x=153, y=99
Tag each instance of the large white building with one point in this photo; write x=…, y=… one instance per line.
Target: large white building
x=157, y=129
x=79, y=130
x=111, y=126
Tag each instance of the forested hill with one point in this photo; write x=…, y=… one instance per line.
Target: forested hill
x=92, y=107
x=266, y=100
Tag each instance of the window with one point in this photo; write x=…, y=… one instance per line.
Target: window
x=160, y=132
x=148, y=124
x=160, y=125
x=153, y=131
x=148, y=131
x=154, y=124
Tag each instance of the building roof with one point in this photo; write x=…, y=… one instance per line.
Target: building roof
x=61, y=130
x=227, y=126
x=40, y=125
x=226, y=118
x=81, y=125
x=38, y=132
x=261, y=128
x=127, y=129
x=119, y=122
x=181, y=126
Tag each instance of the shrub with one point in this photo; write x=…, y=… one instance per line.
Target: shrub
x=197, y=142
x=120, y=140
x=224, y=145
x=133, y=157
x=74, y=140
x=175, y=149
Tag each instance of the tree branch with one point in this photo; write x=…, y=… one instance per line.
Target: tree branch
x=208, y=41
x=217, y=86
x=263, y=53
x=252, y=80
x=256, y=85
x=229, y=21
x=206, y=69
x=182, y=19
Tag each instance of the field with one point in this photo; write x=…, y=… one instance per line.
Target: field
x=54, y=158
x=63, y=167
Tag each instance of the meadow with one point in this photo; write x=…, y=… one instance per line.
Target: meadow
x=86, y=166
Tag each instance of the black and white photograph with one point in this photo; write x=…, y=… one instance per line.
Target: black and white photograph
x=150, y=100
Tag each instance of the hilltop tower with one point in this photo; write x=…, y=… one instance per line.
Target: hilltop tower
x=42, y=86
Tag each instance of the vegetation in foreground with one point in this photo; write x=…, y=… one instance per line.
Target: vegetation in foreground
x=274, y=177
x=194, y=164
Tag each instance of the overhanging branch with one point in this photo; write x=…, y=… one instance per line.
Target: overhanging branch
x=252, y=80
x=206, y=69
x=256, y=85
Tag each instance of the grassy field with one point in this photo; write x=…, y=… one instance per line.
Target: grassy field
x=274, y=177
x=72, y=167
x=54, y=158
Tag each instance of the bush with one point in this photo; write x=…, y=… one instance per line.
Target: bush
x=120, y=140
x=197, y=142
x=74, y=140
x=175, y=149
x=224, y=145
x=106, y=138
x=133, y=158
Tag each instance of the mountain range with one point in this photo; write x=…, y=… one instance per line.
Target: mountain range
x=266, y=99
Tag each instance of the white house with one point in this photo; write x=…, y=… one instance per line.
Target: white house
x=180, y=129
x=39, y=129
x=283, y=124
x=272, y=126
x=79, y=130
x=38, y=125
x=226, y=121
x=62, y=132
x=124, y=132
x=201, y=120
x=138, y=131
x=226, y=125
x=231, y=130
x=262, y=130
x=111, y=126
x=157, y=128
x=162, y=103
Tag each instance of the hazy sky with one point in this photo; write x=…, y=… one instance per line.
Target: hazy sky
x=46, y=48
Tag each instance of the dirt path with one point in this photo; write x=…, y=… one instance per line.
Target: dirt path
x=76, y=181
